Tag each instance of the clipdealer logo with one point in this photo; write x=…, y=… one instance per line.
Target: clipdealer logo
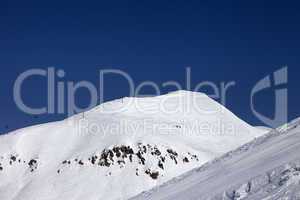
x=278, y=83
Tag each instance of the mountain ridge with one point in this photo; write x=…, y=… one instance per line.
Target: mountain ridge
x=68, y=159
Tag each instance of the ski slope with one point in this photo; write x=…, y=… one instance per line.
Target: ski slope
x=118, y=149
x=266, y=168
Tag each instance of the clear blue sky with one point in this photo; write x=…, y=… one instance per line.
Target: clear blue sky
x=152, y=40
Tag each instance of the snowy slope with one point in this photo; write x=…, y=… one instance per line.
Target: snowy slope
x=266, y=168
x=118, y=149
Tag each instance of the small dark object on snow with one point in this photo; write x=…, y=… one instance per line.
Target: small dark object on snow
x=185, y=160
x=80, y=162
x=13, y=158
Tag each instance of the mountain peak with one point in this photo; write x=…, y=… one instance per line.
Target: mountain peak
x=179, y=103
x=128, y=145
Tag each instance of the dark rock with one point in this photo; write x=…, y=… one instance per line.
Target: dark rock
x=93, y=160
x=186, y=160
x=32, y=162
x=154, y=175
x=32, y=165
x=147, y=171
x=174, y=153
x=121, y=162
x=13, y=158
x=160, y=165
x=142, y=159
x=80, y=162
x=156, y=152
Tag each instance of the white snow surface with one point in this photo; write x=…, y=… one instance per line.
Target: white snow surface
x=266, y=168
x=120, y=148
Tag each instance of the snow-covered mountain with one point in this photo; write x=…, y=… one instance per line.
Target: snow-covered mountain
x=118, y=149
x=265, y=168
